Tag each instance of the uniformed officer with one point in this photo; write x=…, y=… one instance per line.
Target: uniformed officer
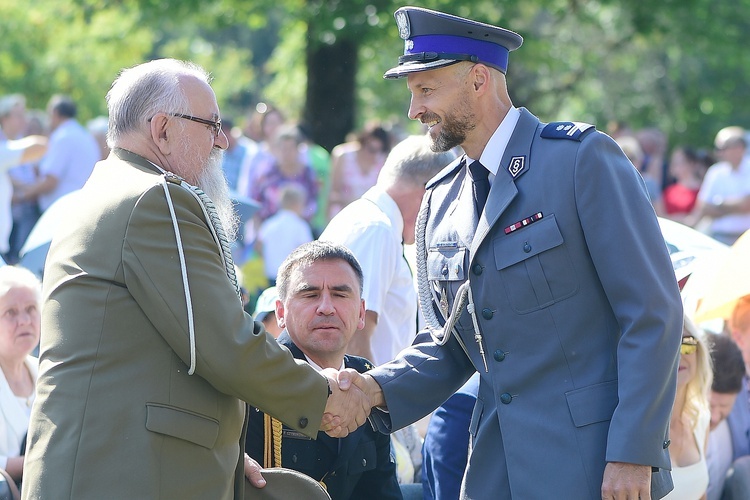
x=557, y=289
x=320, y=308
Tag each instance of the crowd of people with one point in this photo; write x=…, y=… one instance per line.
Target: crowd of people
x=509, y=345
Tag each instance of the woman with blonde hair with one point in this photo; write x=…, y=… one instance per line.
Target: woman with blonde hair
x=691, y=415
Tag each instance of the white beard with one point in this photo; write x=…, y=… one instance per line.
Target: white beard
x=214, y=184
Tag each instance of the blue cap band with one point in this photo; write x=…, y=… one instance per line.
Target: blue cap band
x=487, y=52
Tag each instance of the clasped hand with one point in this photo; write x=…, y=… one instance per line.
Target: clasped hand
x=348, y=406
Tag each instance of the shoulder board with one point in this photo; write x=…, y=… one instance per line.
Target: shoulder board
x=173, y=178
x=451, y=169
x=573, y=131
x=358, y=363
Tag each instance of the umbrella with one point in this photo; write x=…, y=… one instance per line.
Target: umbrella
x=34, y=252
x=727, y=282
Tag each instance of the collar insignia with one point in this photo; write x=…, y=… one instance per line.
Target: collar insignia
x=516, y=166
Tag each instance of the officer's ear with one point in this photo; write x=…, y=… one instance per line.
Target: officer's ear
x=161, y=132
x=481, y=77
x=280, y=314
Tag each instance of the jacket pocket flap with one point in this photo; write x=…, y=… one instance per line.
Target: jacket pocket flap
x=527, y=242
x=445, y=264
x=182, y=424
x=595, y=403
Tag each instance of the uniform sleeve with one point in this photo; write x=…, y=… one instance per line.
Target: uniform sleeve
x=630, y=256
x=419, y=380
x=233, y=353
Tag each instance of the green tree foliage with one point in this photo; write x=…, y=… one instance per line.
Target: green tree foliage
x=676, y=64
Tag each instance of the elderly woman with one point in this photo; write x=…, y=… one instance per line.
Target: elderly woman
x=688, y=429
x=20, y=299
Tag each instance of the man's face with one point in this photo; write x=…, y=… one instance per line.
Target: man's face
x=721, y=405
x=323, y=310
x=196, y=141
x=14, y=123
x=440, y=99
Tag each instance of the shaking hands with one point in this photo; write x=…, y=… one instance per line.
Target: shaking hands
x=352, y=397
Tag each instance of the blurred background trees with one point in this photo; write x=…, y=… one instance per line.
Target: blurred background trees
x=679, y=65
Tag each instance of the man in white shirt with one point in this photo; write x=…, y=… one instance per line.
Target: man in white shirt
x=725, y=192
x=375, y=228
x=72, y=154
x=13, y=153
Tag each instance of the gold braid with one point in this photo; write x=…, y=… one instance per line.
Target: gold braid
x=271, y=441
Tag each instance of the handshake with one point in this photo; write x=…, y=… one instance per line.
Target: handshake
x=353, y=395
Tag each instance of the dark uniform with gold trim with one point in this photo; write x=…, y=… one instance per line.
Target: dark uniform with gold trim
x=359, y=466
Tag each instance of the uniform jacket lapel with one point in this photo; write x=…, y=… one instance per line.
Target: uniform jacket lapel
x=504, y=186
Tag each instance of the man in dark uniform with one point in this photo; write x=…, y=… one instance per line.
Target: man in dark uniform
x=541, y=266
x=320, y=308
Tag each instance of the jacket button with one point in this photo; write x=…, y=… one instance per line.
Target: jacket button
x=667, y=443
x=527, y=247
x=294, y=458
x=499, y=355
x=487, y=313
x=303, y=422
x=505, y=398
x=364, y=462
x=477, y=269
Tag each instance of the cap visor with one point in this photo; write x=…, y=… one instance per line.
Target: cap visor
x=414, y=67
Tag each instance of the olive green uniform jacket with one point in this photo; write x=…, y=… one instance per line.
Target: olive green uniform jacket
x=117, y=415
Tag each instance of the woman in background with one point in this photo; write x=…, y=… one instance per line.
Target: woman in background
x=691, y=415
x=355, y=166
x=20, y=300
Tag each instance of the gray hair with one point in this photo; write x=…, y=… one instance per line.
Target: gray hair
x=9, y=102
x=412, y=161
x=138, y=93
x=311, y=252
x=20, y=277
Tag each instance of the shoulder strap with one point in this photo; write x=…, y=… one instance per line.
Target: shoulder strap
x=573, y=131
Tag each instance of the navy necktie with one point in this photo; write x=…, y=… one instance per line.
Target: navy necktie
x=480, y=185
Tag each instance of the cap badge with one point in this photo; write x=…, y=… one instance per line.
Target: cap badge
x=404, y=29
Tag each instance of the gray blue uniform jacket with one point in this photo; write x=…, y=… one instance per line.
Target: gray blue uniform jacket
x=579, y=312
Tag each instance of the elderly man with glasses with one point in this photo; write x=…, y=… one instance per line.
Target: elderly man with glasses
x=147, y=354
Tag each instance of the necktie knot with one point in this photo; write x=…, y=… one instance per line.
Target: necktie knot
x=478, y=172
x=480, y=185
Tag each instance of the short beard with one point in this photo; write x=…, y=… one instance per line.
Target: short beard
x=214, y=184
x=455, y=127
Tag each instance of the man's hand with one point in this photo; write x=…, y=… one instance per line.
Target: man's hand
x=347, y=407
x=252, y=472
x=623, y=481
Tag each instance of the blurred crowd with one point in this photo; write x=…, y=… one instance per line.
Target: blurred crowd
x=288, y=189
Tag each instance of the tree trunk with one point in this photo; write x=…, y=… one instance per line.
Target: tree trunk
x=330, y=100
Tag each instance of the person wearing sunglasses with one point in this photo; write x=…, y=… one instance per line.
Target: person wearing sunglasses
x=691, y=416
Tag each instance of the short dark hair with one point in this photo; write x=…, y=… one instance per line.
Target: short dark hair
x=311, y=252
x=729, y=366
x=63, y=106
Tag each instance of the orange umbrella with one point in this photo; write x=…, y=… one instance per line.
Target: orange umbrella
x=728, y=282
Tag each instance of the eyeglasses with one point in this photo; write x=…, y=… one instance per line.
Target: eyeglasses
x=214, y=125
x=689, y=345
